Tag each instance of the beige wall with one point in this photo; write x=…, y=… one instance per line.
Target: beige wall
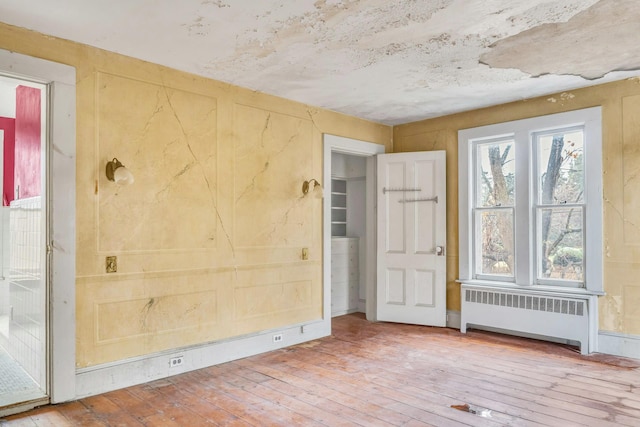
x=620, y=308
x=209, y=236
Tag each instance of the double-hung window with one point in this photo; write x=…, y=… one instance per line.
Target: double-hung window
x=530, y=201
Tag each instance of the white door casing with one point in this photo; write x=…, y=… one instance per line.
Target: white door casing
x=411, y=251
x=340, y=144
x=61, y=163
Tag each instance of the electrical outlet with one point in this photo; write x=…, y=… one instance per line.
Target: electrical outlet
x=174, y=362
x=277, y=338
x=111, y=263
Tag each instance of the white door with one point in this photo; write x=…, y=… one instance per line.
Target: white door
x=411, y=259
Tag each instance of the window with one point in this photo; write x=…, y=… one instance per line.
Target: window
x=529, y=214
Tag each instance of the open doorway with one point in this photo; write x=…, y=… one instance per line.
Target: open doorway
x=58, y=158
x=23, y=272
x=349, y=226
x=348, y=233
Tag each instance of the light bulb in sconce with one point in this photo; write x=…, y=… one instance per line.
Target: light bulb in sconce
x=118, y=173
x=314, y=186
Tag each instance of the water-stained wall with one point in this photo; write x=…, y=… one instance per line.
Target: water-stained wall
x=620, y=103
x=209, y=237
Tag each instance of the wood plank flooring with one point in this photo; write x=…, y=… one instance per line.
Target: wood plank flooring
x=378, y=374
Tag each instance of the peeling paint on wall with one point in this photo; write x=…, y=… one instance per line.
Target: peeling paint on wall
x=564, y=96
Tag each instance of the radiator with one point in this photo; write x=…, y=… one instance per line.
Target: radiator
x=564, y=316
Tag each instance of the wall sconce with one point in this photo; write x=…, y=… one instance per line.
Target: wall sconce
x=307, y=186
x=118, y=173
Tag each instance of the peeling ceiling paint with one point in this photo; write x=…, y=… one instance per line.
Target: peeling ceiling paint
x=590, y=44
x=390, y=62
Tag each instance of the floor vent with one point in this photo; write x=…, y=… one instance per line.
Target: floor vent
x=529, y=313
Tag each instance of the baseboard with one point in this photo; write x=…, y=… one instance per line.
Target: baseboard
x=619, y=344
x=113, y=376
x=343, y=312
x=524, y=335
x=453, y=319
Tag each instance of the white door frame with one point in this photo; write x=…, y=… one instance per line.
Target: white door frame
x=61, y=182
x=340, y=144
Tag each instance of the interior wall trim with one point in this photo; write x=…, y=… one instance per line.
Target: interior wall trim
x=618, y=344
x=138, y=370
x=118, y=277
x=453, y=319
x=61, y=194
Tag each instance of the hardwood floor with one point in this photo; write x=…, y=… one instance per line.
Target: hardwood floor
x=378, y=374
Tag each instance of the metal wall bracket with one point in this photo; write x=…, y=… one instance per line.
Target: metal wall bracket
x=386, y=190
x=429, y=199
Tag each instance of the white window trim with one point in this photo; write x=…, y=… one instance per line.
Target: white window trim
x=591, y=119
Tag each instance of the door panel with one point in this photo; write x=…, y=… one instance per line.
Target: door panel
x=425, y=179
x=425, y=288
x=396, y=290
x=411, y=225
x=396, y=242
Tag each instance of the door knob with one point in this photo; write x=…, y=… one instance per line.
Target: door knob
x=440, y=250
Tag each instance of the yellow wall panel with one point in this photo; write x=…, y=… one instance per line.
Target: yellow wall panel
x=270, y=294
x=167, y=138
x=631, y=168
x=150, y=312
x=631, y=309
x=272, y=298
x=273, y=155
x=155, y=315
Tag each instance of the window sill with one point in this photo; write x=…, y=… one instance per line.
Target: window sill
x=541, y=289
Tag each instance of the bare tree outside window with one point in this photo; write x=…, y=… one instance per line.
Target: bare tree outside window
x=561, y=205
x=496, y=196
x=530, y=201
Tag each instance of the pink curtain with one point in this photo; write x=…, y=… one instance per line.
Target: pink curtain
x=27, y=144
x=8, y=125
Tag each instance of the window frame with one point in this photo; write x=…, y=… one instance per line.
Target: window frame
x=477, y=209
x=537, y=204
x=525, y=252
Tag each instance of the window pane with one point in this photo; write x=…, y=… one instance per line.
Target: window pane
x=561, y=244
x=495, y=242
x=561, y=168
x=496, y=169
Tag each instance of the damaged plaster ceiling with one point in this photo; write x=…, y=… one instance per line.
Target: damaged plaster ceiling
x=388, y=61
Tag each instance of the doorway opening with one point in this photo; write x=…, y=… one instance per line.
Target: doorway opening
x=23, y=229
x=349, y=226
x=57, y=249
x=348, y=233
